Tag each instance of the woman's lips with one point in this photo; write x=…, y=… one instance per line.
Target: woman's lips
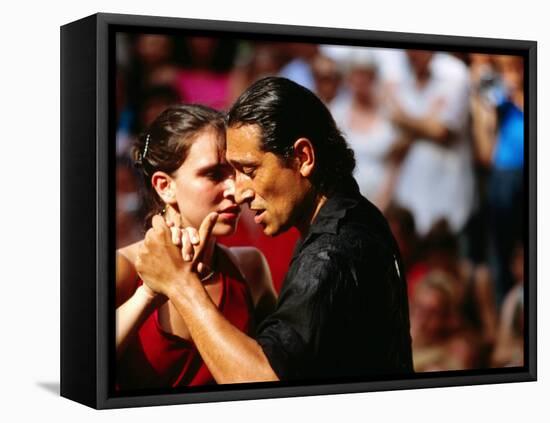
x=228, y=216
x=231, y=213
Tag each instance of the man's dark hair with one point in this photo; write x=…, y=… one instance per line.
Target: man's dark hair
x=286, y=111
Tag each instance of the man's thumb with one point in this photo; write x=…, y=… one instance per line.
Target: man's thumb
x=205, y=231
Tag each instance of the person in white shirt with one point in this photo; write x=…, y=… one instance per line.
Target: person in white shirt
x=436, y=176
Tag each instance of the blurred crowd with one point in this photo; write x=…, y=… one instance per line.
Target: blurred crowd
x=438, y=140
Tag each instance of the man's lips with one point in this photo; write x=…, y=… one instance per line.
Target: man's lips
x=259, y=215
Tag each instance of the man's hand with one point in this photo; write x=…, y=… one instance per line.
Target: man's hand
x=160, y=263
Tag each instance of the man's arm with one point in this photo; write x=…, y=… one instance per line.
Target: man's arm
x=231, y=356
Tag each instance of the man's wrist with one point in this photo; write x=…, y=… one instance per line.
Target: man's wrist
x=186, y=288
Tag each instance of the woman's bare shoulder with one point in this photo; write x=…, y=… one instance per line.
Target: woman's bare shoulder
x=249, y=259
x=254, y=267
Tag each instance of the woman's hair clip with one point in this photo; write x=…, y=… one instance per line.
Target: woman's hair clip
x=146, y=146
x=141, y=156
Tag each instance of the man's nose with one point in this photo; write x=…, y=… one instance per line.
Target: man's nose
x=243, y=191
x=229, y=188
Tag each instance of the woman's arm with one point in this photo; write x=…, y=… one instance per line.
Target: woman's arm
x=134, y=304
x=255, y=269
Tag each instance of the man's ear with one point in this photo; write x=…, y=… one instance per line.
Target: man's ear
x=165, y=187
x=305, y=156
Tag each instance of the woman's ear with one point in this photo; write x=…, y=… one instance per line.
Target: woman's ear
x=165, y=187
x=305, y=156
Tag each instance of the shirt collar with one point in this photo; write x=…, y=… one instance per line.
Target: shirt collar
x=334, y=210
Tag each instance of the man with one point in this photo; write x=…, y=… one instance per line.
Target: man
x=342, y=311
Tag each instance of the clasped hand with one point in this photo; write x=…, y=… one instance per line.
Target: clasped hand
x=168, y=255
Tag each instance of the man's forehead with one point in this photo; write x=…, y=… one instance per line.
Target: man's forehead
x=243, y=143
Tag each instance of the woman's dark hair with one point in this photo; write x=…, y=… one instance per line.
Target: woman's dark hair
x=165, y=145
x=286, y=111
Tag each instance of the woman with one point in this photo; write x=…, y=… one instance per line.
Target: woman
x=186, y=177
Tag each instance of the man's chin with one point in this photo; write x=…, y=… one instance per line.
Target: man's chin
x=271, y=230
x=267, y=229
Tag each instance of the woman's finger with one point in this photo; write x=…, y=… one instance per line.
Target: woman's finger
x=187, y=250
x=176, y=235
x=193, y=235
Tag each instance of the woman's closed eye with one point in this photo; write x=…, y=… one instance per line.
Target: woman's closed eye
x=219, y=173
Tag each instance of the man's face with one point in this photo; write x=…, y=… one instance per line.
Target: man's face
x=273, y=191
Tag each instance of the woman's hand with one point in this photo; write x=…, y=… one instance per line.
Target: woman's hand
x=188, y=239
x=161, y=264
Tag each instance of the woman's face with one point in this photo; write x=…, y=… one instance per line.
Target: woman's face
x=205, y=182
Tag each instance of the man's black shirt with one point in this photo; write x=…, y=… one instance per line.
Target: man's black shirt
x=342, y=310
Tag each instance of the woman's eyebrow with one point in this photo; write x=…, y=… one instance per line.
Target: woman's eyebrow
x=213, y=167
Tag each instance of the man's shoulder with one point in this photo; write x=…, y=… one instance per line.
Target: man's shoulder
x=363, y=226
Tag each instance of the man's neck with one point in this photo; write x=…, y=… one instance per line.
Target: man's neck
x=309, y=218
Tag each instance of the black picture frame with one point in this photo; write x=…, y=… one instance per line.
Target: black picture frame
x=87, y=206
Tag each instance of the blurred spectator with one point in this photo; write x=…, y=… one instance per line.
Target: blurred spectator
x=298, y=69
x=206, y=70
x=124, y=116
x=473, y=286
x=153, y=102
x=327, y=75
x=498, y=125
x=253, y=62
x=440, y=341
x=366, y=129
x=401, y=223
x=144, y=62
x=510, y=340
x=484, y=80
x=153, y=63
x=128, y=205
x=431, y=110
